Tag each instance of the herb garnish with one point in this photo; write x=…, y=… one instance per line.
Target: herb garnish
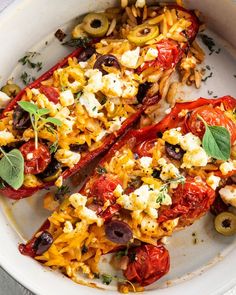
x=210, y=43
x=207, y=77
x=216, y=141
x=101, y=170
x=163, y=191
x=53, y=147
x=79, y=42
x=27, y=60
x=12, y=168
x=209, y=92
x=61, y=192
x=107, y=279
x=26, y=78
x=37, y=118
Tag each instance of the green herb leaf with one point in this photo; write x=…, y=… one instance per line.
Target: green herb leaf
x=42, y=112
x=12, y=168
x=106, y=279
x=53, y=147
x=61, y=192
x=216, y=142
x=54, y=121
x=26, y=78
x=101, y=170
x=28, y=107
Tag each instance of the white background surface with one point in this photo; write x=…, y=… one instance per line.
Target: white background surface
x=8, y=286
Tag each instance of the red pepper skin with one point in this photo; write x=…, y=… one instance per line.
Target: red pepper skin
x=51, y=93
x=109, y=140
x=135, y=137
x=28, y=249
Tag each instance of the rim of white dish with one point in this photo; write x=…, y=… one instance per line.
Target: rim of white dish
x=211, y=275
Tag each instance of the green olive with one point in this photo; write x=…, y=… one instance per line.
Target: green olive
x=225, y=223
x=95, y=24
x=54, y=176
x=142, y=34
x=11, y=89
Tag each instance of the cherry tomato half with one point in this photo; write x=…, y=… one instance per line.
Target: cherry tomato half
x=189, y=201
x=36, y=160
x=169, y=54
x=213, y=117
x=147, y=264
x=103, y=187
x=51, y=93
x=144, y=148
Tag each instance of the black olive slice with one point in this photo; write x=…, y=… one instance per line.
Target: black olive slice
x=118, y=232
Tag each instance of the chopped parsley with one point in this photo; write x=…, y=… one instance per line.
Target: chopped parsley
x=27, y=60
x=61, y=192
x=209, y=92
x=207, y=77
x=210, y=44
x=79, y=42
x=26, y=78
x=101, y=170
x=53, y=147
x=106, y=279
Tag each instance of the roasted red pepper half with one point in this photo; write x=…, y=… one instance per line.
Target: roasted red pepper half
x=52, y=95
x=190, y=201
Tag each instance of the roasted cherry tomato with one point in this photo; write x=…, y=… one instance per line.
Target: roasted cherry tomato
x=213, y=117
x=36, y=160
x=147, y=264
x=51, y=93
x=189, y=201
x=110, y=212
x=169, y=54
x=144, y=148
x=103, y=187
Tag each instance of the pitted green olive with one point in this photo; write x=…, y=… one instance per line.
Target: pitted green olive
x=11, y=89
x=95, y=24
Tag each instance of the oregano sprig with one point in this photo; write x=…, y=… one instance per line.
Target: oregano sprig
x=163, y=191
x=216, y=141
x=37, y=118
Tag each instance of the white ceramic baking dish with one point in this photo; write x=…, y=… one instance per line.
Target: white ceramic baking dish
x=207, y=267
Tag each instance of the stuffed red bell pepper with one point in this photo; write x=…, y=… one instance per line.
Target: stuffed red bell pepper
x=152, y=181
x=74, y=112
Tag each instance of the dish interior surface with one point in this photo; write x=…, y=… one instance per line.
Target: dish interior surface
x=193, y=250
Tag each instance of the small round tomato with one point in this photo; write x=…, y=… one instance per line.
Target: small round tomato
x=144, y=148
x=36, y=160
x=213, y=117
x=190, y=201
x=103, y=187
x=169, y=54
x=147, y=264
x=51, y=93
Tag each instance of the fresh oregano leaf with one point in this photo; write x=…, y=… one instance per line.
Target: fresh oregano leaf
x=54, y=121
x=12, y=168
x=42, y=112
x=216, y=142
x=28, y=107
